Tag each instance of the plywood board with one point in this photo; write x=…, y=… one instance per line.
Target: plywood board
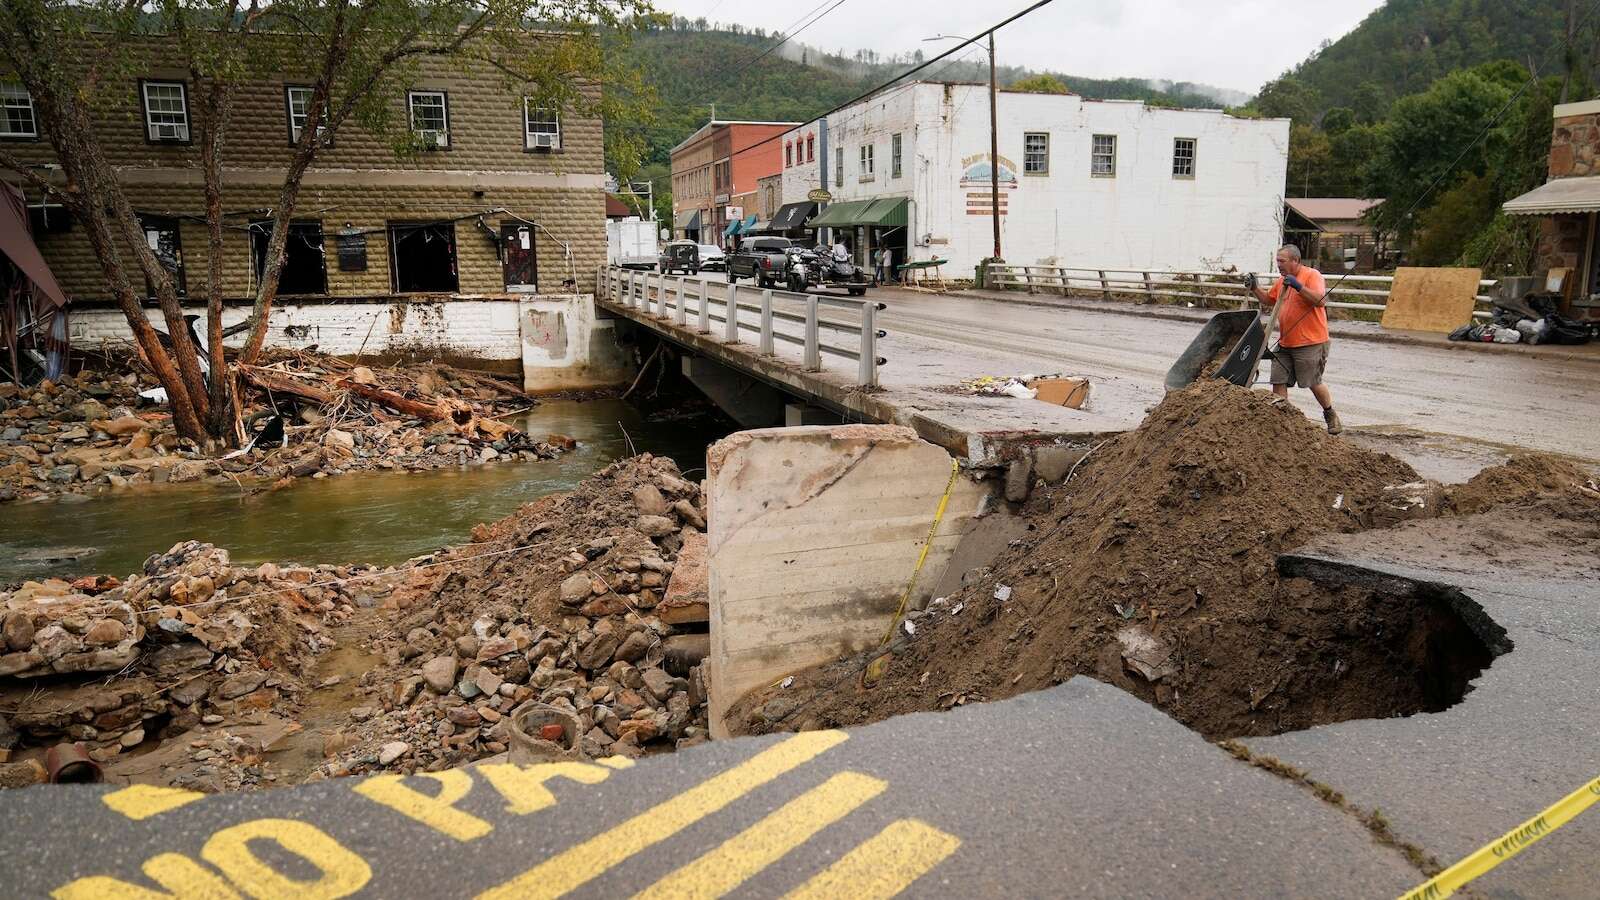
x=1437, y=300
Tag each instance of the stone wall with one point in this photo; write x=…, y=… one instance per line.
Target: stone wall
x=1574, y=145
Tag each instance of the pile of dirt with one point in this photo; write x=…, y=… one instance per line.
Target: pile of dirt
x=1154, y=569
x=1525, y=478
x=154, y=673
x=307, y=415
x=555, y=603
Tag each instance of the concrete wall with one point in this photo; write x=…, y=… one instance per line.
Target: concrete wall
x=814, y=534
x=566, y=346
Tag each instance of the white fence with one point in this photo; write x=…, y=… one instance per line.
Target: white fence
x=1366, y=292
x=685, y=302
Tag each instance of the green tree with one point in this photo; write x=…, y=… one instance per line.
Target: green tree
x=1338, y=120
x=356, y=55
x=1041, y=84
x=1287, y=98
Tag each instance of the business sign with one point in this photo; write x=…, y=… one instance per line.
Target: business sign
x=977, y=180
x=732, y=213
x=819, y=195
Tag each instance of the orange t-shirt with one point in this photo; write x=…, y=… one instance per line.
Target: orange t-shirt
x=1301, y=324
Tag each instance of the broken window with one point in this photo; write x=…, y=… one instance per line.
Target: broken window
x=422, y=257
x=162, y=237
x=1103, y=158
x=16, y=112
x=542, y=126
x=305, y=269
x=1036, y=153
x=430, y=117
x=166, y=112
x=1183, y=157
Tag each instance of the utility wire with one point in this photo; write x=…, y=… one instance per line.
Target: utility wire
x=789, y=33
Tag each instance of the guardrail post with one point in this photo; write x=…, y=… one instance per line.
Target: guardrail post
x=1148, y=297
x=680, y=316
x=705, y=308
x=633, y=288
x=766, y=323
x=1027, y=279
x=868, y=373
x=813, y=356
x=1105, y=287
x=1061, y=280
x=730, y=313
x=653, y=308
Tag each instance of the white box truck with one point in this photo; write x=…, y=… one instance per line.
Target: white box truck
x=631, y=243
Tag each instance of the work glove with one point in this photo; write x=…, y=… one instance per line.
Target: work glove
x=1250, y=282
x=1292, y=282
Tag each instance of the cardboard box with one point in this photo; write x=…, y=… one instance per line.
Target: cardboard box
x=1072, y=393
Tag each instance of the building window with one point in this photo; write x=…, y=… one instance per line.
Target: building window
x=166, y=112
x=422, y=257
x=1036, y=153
x=867, y=168
x=541, y=126
x=16, y=113
x=430, y=117
x=1103, y=158
x=305, y=269
x=297, y=99
x=896, y=150
x=1183, y=157
x=838, y=167
x=811, y=149
x=788, y=155
x=161, y=236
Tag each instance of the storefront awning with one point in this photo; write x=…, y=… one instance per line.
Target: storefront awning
x=733, y=228
x=791, y=216
x=1561, y=195
x=688, y=220
x=17, y=245
x=886, y=213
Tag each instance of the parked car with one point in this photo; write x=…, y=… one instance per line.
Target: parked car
x=761, y=258
x=712, y=259
x=679, y=256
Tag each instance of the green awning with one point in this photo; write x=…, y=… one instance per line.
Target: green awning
x=732, y=229
x=884, y=213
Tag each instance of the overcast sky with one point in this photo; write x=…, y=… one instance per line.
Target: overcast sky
x=1239, y=44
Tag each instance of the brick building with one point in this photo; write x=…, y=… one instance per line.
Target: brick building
x=715, y=174
x=1568, y=204
x=507, y=199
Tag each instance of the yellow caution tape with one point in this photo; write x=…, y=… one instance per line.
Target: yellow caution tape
x=1510, y=844
x=938, y=516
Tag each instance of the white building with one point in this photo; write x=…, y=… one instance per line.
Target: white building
x=1083, y=183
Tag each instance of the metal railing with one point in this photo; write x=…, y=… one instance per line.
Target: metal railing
x=693, y=303
x=1211, y=286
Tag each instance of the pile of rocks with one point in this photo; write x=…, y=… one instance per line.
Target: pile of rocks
x=566, y=620
x=189, y=641
x=89, y=433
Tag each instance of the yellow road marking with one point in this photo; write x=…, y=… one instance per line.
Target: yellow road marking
x=341, y=872
x=437, y=812
x=586, y=861
x=141, y=801
x=748, y=852
x=883, y=866
x=178, y=875
x=523, y=786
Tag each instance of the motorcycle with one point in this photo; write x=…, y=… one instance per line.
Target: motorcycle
x=818, y=267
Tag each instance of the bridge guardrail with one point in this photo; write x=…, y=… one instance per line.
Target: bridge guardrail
x=670, y=297
x=1201, y=285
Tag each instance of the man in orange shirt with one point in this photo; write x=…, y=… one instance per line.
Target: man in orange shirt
x=1302, y=352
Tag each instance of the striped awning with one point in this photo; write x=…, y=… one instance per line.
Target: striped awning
x=1560, y=195
x=886, y=213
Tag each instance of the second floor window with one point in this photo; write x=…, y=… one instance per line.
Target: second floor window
x=1103, y=156
x=16, y=113
x=896, y=155
x=166, y=112
x=838, y=167
x=788, y=155
x=297, y=99
x=866, y=160
x=542, y=126
x=811, y=149
x=1183, y=157
x=1036, y=153
x=430, y=117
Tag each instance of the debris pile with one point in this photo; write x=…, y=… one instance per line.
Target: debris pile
x=1154, y=569
x=191, y=641
x=556, y=604
x=307, y=415
x=1525, y=477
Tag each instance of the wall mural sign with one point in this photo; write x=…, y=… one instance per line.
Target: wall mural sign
x=977, y=184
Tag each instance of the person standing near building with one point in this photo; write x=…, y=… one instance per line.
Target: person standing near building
x=880, y=258
x=1302, y=353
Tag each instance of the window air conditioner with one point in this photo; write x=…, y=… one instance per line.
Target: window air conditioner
x=166, y=131
x=544, y=141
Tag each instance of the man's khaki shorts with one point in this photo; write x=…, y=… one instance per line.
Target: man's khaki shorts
x=1300, y=366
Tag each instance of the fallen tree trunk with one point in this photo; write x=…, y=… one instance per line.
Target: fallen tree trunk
x=428, y=412
x=271, y=381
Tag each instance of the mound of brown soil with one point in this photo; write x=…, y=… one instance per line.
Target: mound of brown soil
x=1523, y=478
x=1153, y=569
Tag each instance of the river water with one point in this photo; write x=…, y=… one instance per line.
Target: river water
x=382, y=518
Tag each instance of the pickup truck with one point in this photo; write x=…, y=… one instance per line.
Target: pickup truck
x=761, y=258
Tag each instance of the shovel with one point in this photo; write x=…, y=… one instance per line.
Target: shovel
x=1244, y=329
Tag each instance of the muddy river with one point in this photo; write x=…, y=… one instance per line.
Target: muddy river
x=383, y=518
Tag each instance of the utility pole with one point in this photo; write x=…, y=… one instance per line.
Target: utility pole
x=994, y=150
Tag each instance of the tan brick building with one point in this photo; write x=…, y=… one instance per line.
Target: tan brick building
x=510, y=200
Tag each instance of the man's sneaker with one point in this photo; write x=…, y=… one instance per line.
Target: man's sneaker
x=1332, y=418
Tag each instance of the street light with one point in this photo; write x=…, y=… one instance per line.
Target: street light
x=994, y=137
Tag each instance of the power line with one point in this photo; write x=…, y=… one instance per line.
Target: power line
x=791, y=32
